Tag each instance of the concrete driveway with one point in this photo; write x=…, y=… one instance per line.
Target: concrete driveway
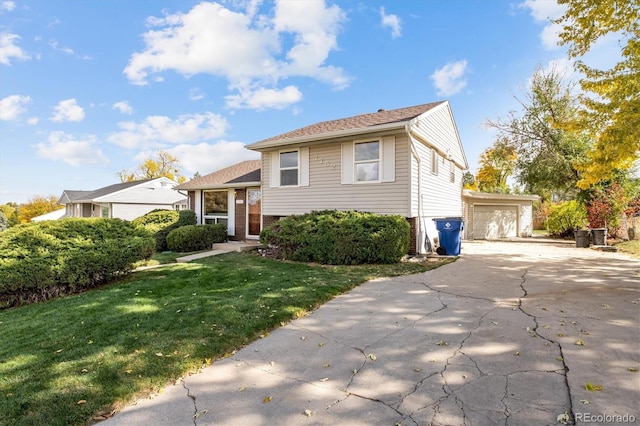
x=512, y=333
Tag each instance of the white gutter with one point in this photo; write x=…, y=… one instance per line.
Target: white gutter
x=421, y=234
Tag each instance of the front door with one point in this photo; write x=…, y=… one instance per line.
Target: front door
x=254, y=212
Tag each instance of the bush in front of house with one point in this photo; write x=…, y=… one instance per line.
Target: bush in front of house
x=196, y=237
x=565, y=218
x=162, y=221
x=42, y=260
x=339, y=237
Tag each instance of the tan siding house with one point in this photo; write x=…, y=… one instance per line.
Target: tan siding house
x=407, y=161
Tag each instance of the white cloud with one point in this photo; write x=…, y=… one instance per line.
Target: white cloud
x=12, y=106
x=449, y=79
x=75, y=151
x=544, y=11
x=67, y=110
x=244, y=47
x=123, y=107
x=262, y=98
x=33, y=121
x=391, y=21
x=209, y=157
x=160, y=130
x=9, y=50
x=196, y=94
x=7, y=5
x=56, y=46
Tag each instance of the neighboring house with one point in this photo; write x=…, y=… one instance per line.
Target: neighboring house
x=231, y=196
x=54, y=215
x=492, y=216
x=127, y=200
x=406, y=161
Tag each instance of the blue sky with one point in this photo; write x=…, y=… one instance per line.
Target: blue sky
x=88, y=88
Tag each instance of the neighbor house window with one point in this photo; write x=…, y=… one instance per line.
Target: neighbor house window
x=289, y=168
x=367, y=161
x=216, y=207
x=434, y=162
x=104, y=210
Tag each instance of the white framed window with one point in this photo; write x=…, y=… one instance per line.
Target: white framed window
x=452, y=171
x=289, y=163
x=434, y=161
x=369, y=161
x=215, y=207
x=366, y=163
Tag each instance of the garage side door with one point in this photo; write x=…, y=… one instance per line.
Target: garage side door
x=492, y=222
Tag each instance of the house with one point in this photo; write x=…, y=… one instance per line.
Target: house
x=493, y=216
x=54, y=215
x=127, y=200
x=406, y=161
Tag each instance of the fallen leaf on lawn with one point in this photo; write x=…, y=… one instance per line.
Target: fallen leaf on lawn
x=178, y=311
x=584, y=401
x=82, y=401
x=579, y=342
x=372, y=357
x=58, y=351
x=307, y=413
x=563, y=418
x=207, y=361
x=129, y=371
x=84, y=370
x=592, y=388
x=266, y=400
x=159, y=354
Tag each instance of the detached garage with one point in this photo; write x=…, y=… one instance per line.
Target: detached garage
x=493, y=216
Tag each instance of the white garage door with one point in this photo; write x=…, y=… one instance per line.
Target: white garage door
x=491, y=222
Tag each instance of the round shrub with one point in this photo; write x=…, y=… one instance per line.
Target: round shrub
x=162, y=221
x=196, y=237
x=339, y=237
x=46, y=259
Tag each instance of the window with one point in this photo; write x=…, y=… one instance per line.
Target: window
x=452, y=171
x=104, y=210
x=367, y=161
x=434, y=162
x=289, y=168
x=216, y=207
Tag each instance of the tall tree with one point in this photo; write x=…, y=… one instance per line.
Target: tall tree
x=10, y=210
x=549, y=153
x=37, y=206
x=497, y=164
x=611, y=104
x=164, y=164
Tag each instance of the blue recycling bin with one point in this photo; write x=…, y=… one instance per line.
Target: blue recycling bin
x=450, y=232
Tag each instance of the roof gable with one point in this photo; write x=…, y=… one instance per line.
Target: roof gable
x=357, y=124
x=245, y=172
x=73, y=196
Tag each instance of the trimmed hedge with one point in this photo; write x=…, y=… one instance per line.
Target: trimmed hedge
x=162, y=221
x=339, y=237
x=196, y=237
x=42, y=260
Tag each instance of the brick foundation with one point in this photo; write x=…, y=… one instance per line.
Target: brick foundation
x=413, y=234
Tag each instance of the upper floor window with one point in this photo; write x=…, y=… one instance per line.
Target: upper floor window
x=452, y=171
x=289, y=168
x=367, y=161
x=434, y=161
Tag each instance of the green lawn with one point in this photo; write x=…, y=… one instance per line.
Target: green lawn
x=69, y=360
x=632, y=247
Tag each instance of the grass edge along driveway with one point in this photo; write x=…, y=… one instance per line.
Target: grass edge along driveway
x=75, y=360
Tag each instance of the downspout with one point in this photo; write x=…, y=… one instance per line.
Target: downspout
x=422, y=231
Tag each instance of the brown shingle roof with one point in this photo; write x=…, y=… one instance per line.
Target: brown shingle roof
x=237, y=173
x=358, y=122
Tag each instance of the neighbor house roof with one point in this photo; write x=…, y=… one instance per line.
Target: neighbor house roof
x=70, y=196
x=346, y=126
x=245, y=173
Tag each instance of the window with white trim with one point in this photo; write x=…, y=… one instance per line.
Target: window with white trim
x=452, y=171
x=289, y=168
x=367, y=161
x=215, y=207
x=434, y=162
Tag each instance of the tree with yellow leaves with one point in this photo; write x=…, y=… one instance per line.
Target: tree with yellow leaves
x=37, y=206
x=497, y=164
x=163, y=165
x=611, y=104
